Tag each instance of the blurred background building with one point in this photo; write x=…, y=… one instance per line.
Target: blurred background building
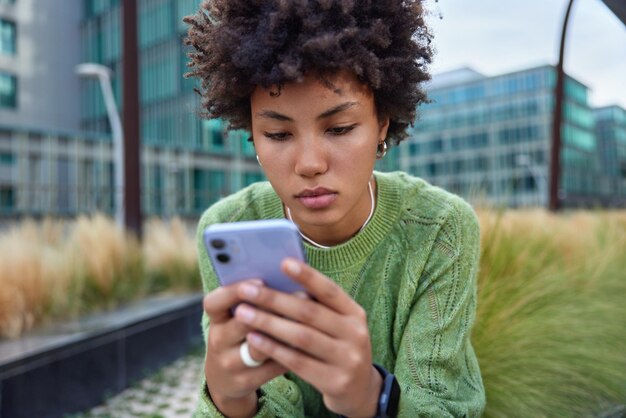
x=66, y=168
x=610, y=132
x=486, y=138
x=39, y=47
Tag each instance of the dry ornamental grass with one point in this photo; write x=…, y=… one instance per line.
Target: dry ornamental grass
x=56, y=270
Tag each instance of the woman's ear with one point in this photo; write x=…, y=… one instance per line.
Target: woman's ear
x=384, y=127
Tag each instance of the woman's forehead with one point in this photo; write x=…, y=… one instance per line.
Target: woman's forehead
x=328, y=87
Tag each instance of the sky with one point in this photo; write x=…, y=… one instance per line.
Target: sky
x=499, y=36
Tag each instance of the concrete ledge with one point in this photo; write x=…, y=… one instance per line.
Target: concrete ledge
x=74, y=367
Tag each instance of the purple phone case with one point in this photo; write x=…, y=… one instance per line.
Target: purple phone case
x=255, y=250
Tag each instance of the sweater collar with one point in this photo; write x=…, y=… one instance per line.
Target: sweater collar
x=360, y=246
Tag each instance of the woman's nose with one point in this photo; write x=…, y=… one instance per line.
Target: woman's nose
x=311, y=158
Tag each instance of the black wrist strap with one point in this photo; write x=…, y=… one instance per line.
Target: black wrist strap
x=389, y=395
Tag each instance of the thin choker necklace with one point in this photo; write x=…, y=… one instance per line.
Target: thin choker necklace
x=315, y=244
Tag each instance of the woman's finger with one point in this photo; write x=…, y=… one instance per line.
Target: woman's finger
x=231, y=360
x=257, y=355
x=312, y=370
x=298, y=335
x=319, y=286
x=230, y=375
x=303, y=310
x=217, y=304
x=231, y=333
x=256, y=377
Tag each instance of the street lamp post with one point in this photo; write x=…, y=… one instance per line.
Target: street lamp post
x=132, y=119
x=557, y=120
x=103, y=74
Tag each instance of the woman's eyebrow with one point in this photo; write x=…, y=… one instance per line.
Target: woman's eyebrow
x=271, y=114
x=337, y=109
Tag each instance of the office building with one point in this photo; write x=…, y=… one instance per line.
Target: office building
x=56, y=155
x=188, y=163
x=39, y=48
x=488, y=139
x=610, y=131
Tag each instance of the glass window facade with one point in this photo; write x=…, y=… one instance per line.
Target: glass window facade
x=7, y=199
x=249, y=178
x=610, y=129
x=208, y=187
x=156, y=186
x=8, y=37
x=494, y=88
x=185, y=8
x=111, y=39
x=96, y=7
x=160, y=73
x=490, y=138
x=213, y=135
x=167, y=99
x=242, y=137
x=8, y=91
x=6, y=159
x=156, y=21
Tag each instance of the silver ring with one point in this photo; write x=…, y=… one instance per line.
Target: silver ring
x=244, y=353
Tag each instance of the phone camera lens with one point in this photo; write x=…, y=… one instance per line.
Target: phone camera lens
x=223, y=258
x=218, y=244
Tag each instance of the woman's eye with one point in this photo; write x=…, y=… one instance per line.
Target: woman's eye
x=341, y=130
x=277, y=136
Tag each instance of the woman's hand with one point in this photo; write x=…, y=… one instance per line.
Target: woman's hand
x=324, y=340
x=231, y=384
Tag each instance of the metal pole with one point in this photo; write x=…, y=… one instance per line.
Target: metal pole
x=557, y=120
x=104, y=76
x=132, y=159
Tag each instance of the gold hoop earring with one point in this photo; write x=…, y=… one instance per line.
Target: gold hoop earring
x=381, y=151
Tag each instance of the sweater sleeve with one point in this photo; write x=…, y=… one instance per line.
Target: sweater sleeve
x=280, y=397
x=436, y=365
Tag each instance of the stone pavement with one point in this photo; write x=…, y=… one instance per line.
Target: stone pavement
x=172, y=392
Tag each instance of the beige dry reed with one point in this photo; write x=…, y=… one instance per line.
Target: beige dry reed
x=54, y=269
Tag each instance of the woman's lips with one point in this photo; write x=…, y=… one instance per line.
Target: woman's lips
x=319, y=201
x=317, y=198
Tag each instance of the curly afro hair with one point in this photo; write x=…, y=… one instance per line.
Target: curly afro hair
x=241, y=44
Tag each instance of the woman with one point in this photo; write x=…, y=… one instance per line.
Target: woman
x=325, y=87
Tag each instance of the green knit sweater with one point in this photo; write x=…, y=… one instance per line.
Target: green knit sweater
x=413, y=268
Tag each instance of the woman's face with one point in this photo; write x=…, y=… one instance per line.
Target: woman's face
x=317, y=145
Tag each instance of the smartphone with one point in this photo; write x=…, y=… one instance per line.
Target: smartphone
x=254, y=250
